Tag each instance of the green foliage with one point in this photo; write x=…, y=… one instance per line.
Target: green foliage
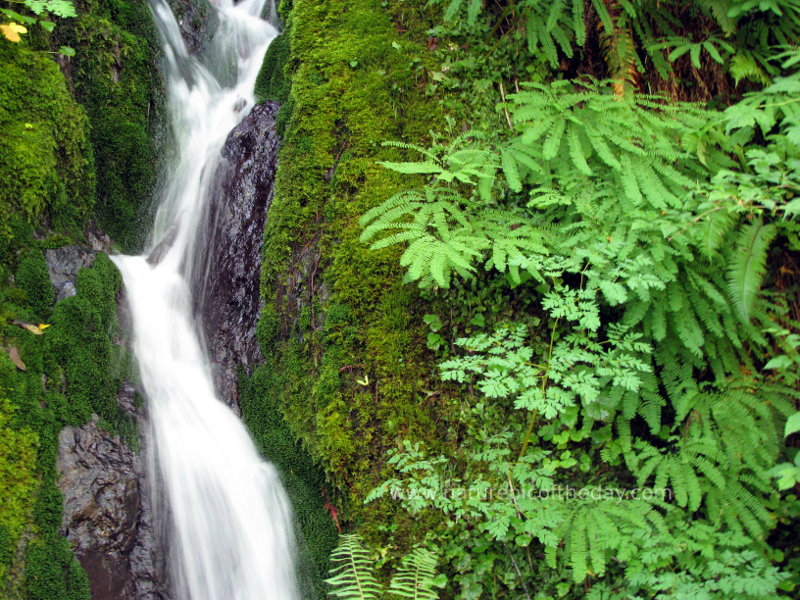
x=634, y=35
x=73, y=370
x=272, y=83
x=42, y=9
x=117, y=81
x=17, y=474
x=52, y=572
x=609, y=227
x=48, y=167
x=32, y=277
x=749, y=265
x=81, y=350
x=643, y=234
x=351, y=572
x=60, y=8
x=416, y=576
x=45, y=157
x=352, y=576
x=338, y=330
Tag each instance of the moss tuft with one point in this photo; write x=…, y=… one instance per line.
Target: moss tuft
x=46, y=162
x=272, y=83
x=32, y=277
x=52, y=572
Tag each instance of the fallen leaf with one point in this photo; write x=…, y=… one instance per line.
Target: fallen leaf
x=43, y=326
x=32, y=327
x=12, y=30
x=13, y=353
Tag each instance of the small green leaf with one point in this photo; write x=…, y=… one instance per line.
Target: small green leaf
x=779, y=362
x=67, y=51
x=792, y=425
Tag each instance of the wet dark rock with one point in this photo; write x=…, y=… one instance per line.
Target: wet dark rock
x=107, y=516
x=196, y=19
x=227, y=281
x=161, y=249
x=98, y=241
x=63, y=265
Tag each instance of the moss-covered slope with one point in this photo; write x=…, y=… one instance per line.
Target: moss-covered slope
x=345, y=342
x=52, y=153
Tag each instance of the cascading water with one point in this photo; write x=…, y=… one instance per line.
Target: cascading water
x=230, y=522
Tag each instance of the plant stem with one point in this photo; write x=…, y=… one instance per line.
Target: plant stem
x=545, y=380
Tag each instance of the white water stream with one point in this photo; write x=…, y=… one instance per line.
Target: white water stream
x=230, y=529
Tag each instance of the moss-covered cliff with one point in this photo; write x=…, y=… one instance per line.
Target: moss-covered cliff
x=347, y=364
x=75, y=148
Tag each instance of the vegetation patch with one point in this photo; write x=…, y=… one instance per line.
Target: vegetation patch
x=60, y=363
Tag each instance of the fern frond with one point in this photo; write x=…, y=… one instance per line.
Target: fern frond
x=415, y=576
x=748, y=265
x=351, y=574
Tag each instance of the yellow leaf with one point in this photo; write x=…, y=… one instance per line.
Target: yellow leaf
x=12, y=30
x=43, y=326
x=33, y=328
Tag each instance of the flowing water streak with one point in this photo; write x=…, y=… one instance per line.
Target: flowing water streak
x=231, y=531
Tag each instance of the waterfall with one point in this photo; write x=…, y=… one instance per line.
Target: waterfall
x=229, y=520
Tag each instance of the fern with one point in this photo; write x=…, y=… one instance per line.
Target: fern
x=351, y=575
x=454, y=7
x=416, y=577
x=748, y=266
x=551, y=27
x=593, y=532
x=60, y=8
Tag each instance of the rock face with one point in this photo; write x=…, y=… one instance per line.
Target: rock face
x=107, y=514
x=227, y=281
x=196, y=20
x=63, y=265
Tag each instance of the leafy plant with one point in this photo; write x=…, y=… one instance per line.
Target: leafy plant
x=352, y=574
x=642, y=228
x=41, y=9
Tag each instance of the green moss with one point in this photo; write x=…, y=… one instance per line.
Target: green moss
x=116, y=80
x=272, y=83
x=52, y=572
x=80, y=350
x=32, y=277
x=73, y=370
x=46, y=162
x=18, y=482
x=348, y=366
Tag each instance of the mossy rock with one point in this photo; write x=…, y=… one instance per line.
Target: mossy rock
x=117, y=81
x=344, y=337
x=46, y=161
